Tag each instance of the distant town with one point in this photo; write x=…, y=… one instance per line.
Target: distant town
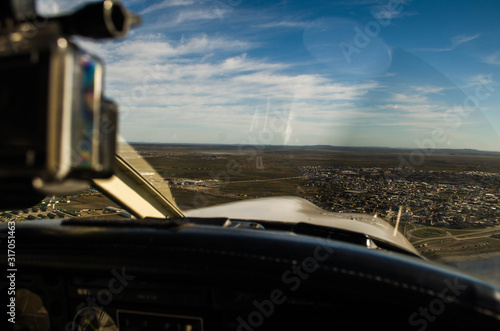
x=459, y=199
x=440, y=198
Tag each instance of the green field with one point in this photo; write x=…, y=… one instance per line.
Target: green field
x=429, y=233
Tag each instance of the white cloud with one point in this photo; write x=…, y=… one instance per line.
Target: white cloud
x=429, y=89
x=455, y=42
x=409, y=98
x=462, y=39
x=283, y=24
x=153, y=48
x=387, y=11
x=484, y=82
x=415, y=107
x=160, y=83
x=493, y=59
x=304, y=86
x=200, y=14
x=166, y=4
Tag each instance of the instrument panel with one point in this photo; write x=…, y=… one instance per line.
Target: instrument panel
x=86, y=303
x=202, y=278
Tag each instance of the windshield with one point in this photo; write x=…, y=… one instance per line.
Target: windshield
x=386, y=107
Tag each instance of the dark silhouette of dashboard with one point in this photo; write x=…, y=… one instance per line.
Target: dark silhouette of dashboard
x=195, y=274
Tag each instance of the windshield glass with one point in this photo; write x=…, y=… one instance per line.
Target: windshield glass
x=384, y=107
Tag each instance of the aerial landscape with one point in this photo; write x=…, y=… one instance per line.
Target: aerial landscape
x=449, y=202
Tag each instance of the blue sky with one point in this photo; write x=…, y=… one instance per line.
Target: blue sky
x=416, y=74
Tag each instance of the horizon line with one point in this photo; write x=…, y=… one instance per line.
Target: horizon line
x=316, y=145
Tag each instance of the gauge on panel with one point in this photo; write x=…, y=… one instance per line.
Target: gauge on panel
x=31, y=313
x=91, y=318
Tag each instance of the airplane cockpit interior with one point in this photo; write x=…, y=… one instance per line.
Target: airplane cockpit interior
x=255, y=261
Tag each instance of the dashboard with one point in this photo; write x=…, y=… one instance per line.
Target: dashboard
x=195, y=274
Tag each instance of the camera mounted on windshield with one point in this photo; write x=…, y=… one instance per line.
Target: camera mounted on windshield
x=58, y=131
